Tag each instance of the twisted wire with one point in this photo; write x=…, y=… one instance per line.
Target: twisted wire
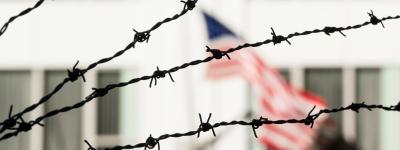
x=262, y=121
x=276, y=39
x=76, y=72
x=24, y=12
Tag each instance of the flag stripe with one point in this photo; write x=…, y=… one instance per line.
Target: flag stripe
x=277, y=99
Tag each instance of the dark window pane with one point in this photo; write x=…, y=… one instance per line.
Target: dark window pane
x=368, y=121
x=328, y=84
x=63, y=132
x=14, y=90
x=285, y=74
x=107, y=108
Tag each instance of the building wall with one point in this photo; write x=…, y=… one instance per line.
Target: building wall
x=57, y=34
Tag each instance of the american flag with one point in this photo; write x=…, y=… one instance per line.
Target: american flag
x=277, y=99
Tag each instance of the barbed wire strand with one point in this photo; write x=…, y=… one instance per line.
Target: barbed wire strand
x=221, y=134
x=24, y=12
x=75, y=73
x=255, y=124
x=216, y=54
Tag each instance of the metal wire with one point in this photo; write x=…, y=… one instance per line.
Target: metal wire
x=75, y=73
x=255, y=124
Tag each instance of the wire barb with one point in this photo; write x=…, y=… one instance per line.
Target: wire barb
x=10, y=122
x=159, y=74
x=141, y=36
x=374, y=20
x=256, y=123
x=189, y=4
x=217, y=54
x=90, y=146
x=205, y=126
x=76, y=73
x=309, y=120
x=151, y=143
x=329, y=30
x=396, y=107
x=276, y=39
x=356, y=106
x=26, y=126
x=99, y=92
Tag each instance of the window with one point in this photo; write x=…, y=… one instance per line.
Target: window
x=15, y=90
x=62, y=132
x=328, y=84
x=108, y=111
x=367, y=122
x=107, y=106
x=285, y=74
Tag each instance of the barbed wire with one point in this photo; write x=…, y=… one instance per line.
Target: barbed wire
x=24, y=12
x=75, y=72
x=221, y=134
x=151, y=142
x=216, y=54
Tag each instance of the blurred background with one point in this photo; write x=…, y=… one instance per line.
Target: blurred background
x=37, y=49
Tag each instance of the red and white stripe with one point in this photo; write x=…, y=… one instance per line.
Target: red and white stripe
x=278, y=100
